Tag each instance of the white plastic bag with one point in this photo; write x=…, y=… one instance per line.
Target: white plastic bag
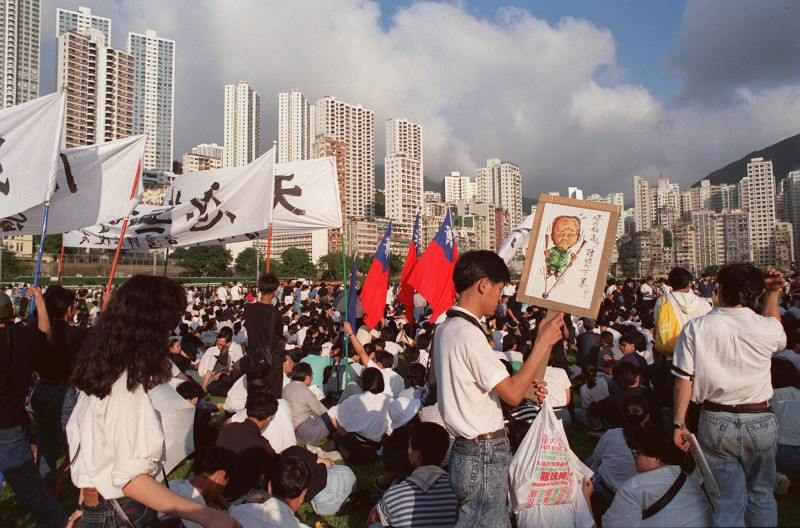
x=541, y=473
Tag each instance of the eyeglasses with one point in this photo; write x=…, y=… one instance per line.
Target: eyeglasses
x=635, y=452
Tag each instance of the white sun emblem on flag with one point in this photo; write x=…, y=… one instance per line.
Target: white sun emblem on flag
x=386, y=247
x=449, y=239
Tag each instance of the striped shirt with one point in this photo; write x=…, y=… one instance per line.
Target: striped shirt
x=407, y=505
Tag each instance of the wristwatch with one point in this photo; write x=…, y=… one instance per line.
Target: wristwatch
x=681, y=426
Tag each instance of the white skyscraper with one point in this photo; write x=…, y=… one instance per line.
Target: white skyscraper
x=500, y=184
x=457, y=187
x=404, y=169
x=295, y=127
x=211, y=150
x=153, y=96
x=575, y=193
x=354, y=126
x=242, y=125
x=761, y=206
x=641, y=203
x=19, y=51
x=81, y=21
x=791, y=192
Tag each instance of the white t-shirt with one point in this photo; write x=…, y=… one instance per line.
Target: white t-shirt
x=279, y=431
x=270, y=514
x=185, y=489
x=122, y=422
x=595, y=394
x=394, y=349
x=236, y=293
x=497, y=337
x=557, y=385
x=616, y=460
x=466, y=371
x=574, y=514
x=209, y=359
x=393, y=382
x=222, y=294
x=366, y=414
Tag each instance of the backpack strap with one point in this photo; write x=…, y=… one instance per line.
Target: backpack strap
x=661, y=503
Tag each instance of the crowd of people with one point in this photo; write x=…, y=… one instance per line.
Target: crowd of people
x=289, y=397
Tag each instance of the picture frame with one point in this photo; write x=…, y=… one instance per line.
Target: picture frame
x=569, y=254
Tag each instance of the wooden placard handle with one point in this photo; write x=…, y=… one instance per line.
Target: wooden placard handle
x=541, y=367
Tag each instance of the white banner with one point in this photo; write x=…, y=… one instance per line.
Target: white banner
x=30, y=139
x=518, y=239
x=229, y=203
x=93, y=185
x=306, y=198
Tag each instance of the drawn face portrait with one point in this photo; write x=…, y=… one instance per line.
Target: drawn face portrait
x=566, y=232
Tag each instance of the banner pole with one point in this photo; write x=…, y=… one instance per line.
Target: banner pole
x=61, y=262
x=166, y=258
x=122, y=232
x=269, y=244
x=344, y=284
x=39, y=256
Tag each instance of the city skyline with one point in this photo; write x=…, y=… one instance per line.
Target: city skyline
x=575, y=99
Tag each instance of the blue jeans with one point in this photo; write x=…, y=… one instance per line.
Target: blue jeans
x=788, y=461
x=479, y=478
x=19, y=470
x=47, y=401
x=104, y=516
x=740, y=449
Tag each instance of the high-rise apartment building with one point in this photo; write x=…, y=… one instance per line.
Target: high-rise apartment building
x=354, y=126
x=641, y=203
x=761, y=206
x=81, y=21
x=19, y=51
x=457, y=187
x=500, y=184
x=212, y=150
x=197, y=162
x=153, y=96
x=295, y=127
x=736, y=229
x=404, y=170
x=242, y=131
x=791, y=203
x=575, y=193
x=98, y=80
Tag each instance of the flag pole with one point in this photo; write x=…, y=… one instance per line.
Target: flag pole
x=344, y=284
x=272, y=205
x=39, y=256
x=61, y=262
x=166, y=259
x=122, y=232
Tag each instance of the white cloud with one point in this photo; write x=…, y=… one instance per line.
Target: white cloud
x=543, y=96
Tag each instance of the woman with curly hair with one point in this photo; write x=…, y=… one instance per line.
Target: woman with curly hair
x=115, y=436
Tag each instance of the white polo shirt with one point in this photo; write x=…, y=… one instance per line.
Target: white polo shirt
x=466, y=371
x=366, y=414
x=728, y=351
x=209, y=359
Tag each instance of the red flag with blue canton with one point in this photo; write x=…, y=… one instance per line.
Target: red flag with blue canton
x=373, y=293
x=432, y=277
x=406, y=295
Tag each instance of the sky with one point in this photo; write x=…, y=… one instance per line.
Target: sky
x=576, y=92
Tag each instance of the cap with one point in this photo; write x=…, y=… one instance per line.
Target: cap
x=6, y=307
x=340, y=484
x=402, y=410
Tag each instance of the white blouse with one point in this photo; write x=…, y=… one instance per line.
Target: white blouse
x=119, y=437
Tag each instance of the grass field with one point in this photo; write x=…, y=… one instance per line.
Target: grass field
x=13, y=515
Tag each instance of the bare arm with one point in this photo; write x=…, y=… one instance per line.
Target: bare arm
x=146, y=490
x=774, y=283
x=681, y=397
x=357, y=346
x=513, y=388
x=43, y=320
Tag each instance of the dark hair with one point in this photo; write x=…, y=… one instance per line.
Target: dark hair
x=509, y=341
x=784, y=373
x=740, y=284
x=268, y=283
x=412, y=354
x=301, y=371
x=430, y=440
x=384, y=358
x=58, y=300
x=213, y=458
x=589, y=324
x=260, y=404
x=655, y=442
x=290, y=478
x=634, y=409
x=473, y=266
x=590, y=370
x=225, y=333
x=190, y=389
x=415, y=376
x=679, y=278
x=606, y=338
x=132, y=337
x=624, y=373
x=635, y=338
x=372, y=381
x=423, y=342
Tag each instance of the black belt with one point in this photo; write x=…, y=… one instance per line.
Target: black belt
x=500, y=433
x=747, y=408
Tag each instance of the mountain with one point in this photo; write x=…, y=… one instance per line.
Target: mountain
x=785, y=156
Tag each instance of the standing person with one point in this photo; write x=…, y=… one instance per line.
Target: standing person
x=264, y=326
x=470, y=382
x=722, y=361
x=54, y=398
x=116, y=441
x=236, y=292
x=18, y=346
x=222, y=293
x=705, y=288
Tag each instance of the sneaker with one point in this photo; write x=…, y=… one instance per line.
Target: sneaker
x=782, y=484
